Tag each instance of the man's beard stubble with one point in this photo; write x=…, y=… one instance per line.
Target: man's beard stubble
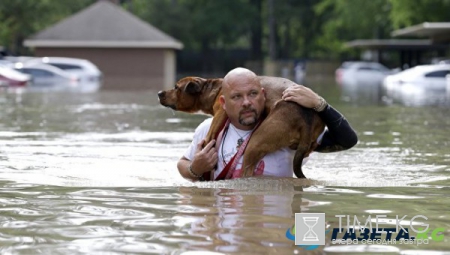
x=248, y=122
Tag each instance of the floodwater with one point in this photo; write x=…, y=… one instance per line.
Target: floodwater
x=96, y=174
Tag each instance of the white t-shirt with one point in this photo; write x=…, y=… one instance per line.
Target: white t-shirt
x=279, y=163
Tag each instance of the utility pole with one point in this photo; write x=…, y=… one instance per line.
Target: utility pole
x=272, y=40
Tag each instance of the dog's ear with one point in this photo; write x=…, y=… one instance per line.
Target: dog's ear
x=192, y=87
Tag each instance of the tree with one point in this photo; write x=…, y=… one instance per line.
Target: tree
x=20, y=19
x=411, y=12
x=298, y=26
x=202, y=25
x=351, y=20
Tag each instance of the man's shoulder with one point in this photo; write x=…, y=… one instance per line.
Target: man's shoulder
x=204, y=126
x=206, y=122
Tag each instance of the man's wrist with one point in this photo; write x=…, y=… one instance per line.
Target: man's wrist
x=321, y=105
x=192, y=173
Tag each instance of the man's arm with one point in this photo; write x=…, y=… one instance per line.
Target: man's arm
x=183, y=165
x=203, y=161
x=339, y=134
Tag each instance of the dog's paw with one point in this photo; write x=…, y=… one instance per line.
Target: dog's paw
x=247, y=173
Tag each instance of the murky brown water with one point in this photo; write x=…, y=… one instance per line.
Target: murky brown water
x=96, y=174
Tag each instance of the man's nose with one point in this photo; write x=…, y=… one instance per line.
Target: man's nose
x=246, y=101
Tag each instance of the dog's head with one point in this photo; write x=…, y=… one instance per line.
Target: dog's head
x=188, y=95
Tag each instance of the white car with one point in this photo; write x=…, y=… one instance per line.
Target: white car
x=43, y=75
x=84, y=69
x=448, y=85
x=418, y=79
x=356, y=73
x=9, y=77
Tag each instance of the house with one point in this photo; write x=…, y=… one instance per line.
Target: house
x=131, y=53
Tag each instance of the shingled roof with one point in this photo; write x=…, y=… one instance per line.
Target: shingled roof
x=103, y=25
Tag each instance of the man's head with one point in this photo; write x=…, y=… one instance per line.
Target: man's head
x=242, y=98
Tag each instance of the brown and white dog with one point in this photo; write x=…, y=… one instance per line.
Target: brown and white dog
x=286, y=124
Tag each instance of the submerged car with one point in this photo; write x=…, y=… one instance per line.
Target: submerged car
x=417, y=79
x=356, y=73
x=43, y=75
x=12, y=78
x=84, y=69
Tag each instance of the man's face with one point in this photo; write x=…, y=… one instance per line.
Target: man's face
x=243, y=101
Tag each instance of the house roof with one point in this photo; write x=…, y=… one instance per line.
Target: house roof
x=393, y=44
x=426, y=29
x=103, y=25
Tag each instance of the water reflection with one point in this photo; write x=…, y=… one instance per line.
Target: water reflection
x=364, y=93
x=236, y=219
x=410, y=96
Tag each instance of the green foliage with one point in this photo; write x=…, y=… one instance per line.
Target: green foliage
x=201, y=23
x=20, y=19
x=303, y=28
x=351, y=20
x=297, y=26
x=411, y=12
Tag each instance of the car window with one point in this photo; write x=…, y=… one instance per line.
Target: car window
x=346, y=65
x=381, y=68
x=37, y=72
x=438, y=74
x=66, y=66
x=368, y=68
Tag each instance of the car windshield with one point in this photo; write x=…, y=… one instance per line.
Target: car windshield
x=438, y=74
x=412, y=72
x=37, y=72
x=347, y=65
x=368, y=66
x=371, y=68
x=66, y=66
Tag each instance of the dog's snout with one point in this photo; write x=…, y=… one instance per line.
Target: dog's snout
x=161, y=94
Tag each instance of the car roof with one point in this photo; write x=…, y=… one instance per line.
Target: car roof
x=46, y=67
x=427, y=68
x=64, y=60
x=13, y=74
x=422, y=69
x=347, y=64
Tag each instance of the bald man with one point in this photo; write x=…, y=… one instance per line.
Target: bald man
x=243, y=100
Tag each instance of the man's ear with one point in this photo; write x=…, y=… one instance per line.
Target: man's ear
x=192, y=87
x=264, y=92
x=222, y=101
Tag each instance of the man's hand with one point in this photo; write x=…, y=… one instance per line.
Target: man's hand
x=301, y=95
x=204, y=159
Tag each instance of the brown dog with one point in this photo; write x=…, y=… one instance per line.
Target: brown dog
x=286, y=124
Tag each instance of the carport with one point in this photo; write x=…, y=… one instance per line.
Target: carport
x=410, y=51
x=435, y=41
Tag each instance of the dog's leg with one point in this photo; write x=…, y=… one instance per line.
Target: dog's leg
x=254, y=152
x=274, y=133
x=309, y=132
x=298, y=159
x=218, y=121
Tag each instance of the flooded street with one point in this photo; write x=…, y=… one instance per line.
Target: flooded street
x=96, y=173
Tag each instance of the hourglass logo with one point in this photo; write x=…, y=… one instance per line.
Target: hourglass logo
x=310, y=229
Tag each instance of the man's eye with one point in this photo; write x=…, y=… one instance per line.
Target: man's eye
x=235, y=97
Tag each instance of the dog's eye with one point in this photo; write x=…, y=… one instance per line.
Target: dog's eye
x=176, y=87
